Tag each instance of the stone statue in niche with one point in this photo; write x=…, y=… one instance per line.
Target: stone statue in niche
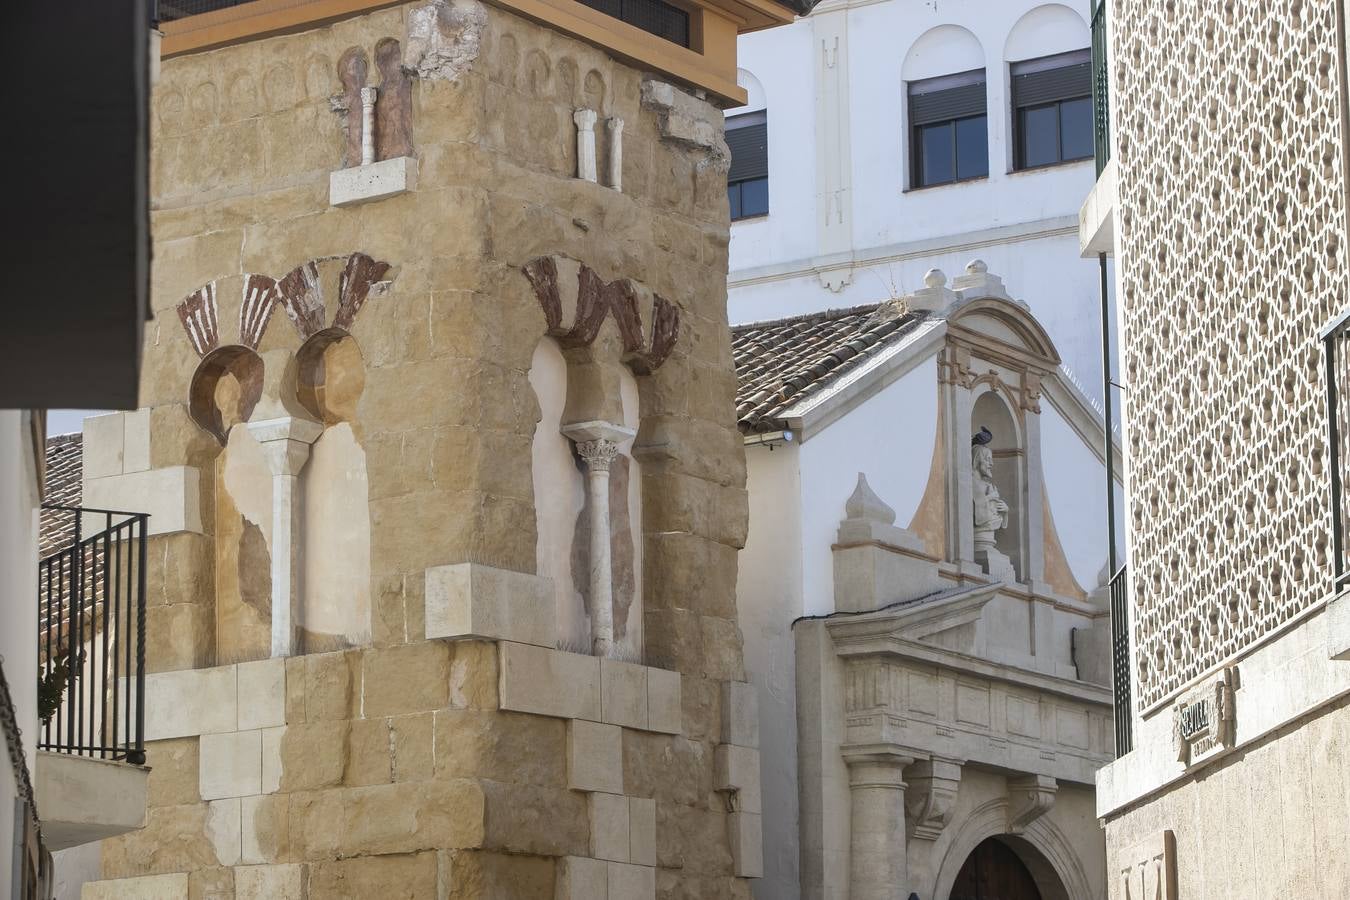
x=991, y=510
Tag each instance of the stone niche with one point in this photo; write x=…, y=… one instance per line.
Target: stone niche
x=291, y=487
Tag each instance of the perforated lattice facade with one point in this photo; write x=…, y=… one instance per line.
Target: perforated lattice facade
x=1232, y=243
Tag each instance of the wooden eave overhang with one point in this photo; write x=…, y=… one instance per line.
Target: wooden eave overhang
x=710, y=64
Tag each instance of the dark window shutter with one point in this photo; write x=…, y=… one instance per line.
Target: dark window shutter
x=749, y=146
x=946, y=104
x=1066, y=83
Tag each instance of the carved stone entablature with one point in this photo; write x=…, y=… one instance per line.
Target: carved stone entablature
x=1203, y=720
x=1029, y=798
x=931, y=796
x=575, y=301
x=907, y=682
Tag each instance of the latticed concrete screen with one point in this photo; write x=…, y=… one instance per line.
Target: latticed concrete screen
x=1230, y=511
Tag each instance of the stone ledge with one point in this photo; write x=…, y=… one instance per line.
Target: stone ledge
x=1096, y=219
x=363, y=184
x=1338, y=628
x=221, y=699
x=567, y=685
x=149, y=887
x=747, y=844
x=85, y=800
x=170, y=495
x=1288, y=678
x=469, y=600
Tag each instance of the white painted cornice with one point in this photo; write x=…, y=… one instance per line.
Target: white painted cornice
x=862, y=258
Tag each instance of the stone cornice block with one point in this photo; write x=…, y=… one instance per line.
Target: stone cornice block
x=363, y=184
x=171, y=496
x=149, y=887
x=665, y=711
x=737, y=773
x=190, y=702
x=740, y=714
x=549, y=682
x=623, y=693
x=594, y=757
x=470, y=600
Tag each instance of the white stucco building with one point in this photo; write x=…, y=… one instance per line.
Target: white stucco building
x=897, y=646
x=849, y=220
x=883, y=140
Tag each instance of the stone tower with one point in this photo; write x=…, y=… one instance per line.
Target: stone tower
x=439, y=444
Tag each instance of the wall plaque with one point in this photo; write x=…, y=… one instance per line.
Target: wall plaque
x=1202, y=720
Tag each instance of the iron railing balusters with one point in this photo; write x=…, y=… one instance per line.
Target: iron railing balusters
x=94, y=707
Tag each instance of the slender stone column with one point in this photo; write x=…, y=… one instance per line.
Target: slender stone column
x=877, y=864
x=286, y=443
x=368, y=125
x=597, y=444
x=615, y=126
x=585, y=119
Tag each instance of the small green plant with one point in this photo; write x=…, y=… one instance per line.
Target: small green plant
x=52, y=688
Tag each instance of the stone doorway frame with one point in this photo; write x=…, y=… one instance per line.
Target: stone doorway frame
x=1048, y=855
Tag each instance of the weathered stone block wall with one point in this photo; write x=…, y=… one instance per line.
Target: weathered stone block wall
x=405, y=761
x=244, y=142
x=1233, y=257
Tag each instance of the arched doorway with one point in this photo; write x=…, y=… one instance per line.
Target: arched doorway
x=994, y=871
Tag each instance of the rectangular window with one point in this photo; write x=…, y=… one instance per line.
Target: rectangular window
x=949, y=134
x=1052, y=109
x=652, y=16
x=748, y=180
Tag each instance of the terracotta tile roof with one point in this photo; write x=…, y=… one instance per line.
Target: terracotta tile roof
x=783, y=362
x=65, y=470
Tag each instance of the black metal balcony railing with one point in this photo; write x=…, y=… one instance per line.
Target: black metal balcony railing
x=1122, y=699
x=1101, y=106
x=91, y=638
x=1337, y=360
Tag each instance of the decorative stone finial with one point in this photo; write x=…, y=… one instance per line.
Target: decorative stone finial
x=977, y=283
x=934, y=296
x=865, y=504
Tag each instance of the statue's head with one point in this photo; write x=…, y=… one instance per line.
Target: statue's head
x=982, y=460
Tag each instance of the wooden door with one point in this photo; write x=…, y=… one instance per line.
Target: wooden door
x=994, y=872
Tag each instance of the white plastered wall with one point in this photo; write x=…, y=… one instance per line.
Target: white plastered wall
x=1023, y=224
x=559, y=493
x=336, y=598
x=889, y=438
x=768, y=599
x=18, y=607
x=1075, y=486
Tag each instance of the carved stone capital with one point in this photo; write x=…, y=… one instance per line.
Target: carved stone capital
x=931, y=796
x=1029, y=798
x=598, y=455
x=285, y=442
x=584, y=119
x=597, y=442
x=876, y=766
